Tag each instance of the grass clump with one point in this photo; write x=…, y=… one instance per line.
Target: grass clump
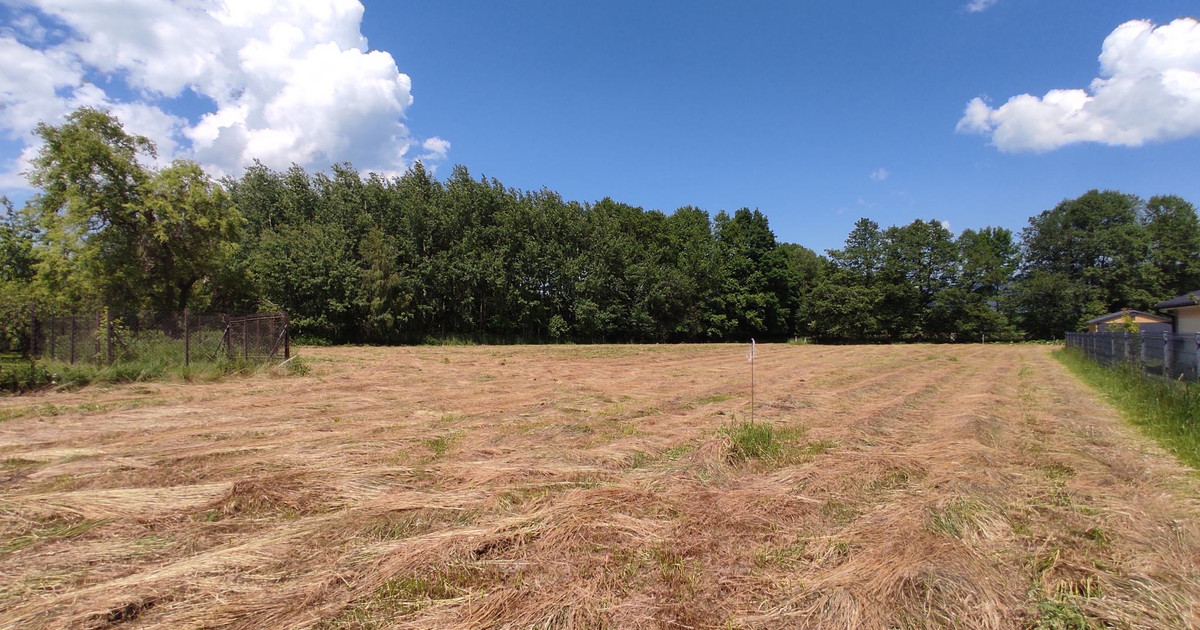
x=53, y=529
x=1057, y=614
x=1165, y=410
x=397, y=598
x=760, y=441
x=440, y=444
x=955, y=518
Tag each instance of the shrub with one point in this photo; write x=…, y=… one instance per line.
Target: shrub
x=24, y=377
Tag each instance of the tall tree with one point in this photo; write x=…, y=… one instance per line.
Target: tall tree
x=1173, y=235
x=864, y=252
x=88, y=211
x=117, y=233
x=979, y=303
x=190, y=229
x=921, y=262
x=1091, y=248
x=845, y=303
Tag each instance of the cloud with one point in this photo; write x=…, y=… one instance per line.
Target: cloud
x=977, y=6
x=879, y=174
x=284, y=81
x=435, y=150
x=1148, y=91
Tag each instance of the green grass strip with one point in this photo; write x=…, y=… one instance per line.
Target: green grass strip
x=1168, y=411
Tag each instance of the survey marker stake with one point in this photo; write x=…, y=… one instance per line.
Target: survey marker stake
x=750, y=357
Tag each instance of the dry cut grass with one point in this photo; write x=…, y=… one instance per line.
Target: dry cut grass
x=598, y=487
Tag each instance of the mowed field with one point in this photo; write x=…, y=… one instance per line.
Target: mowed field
x=597, y=487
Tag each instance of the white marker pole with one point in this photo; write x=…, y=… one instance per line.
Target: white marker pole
x=753, y=351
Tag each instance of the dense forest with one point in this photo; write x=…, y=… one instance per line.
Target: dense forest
x=412, y=258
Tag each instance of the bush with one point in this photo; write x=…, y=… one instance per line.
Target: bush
x=24, y=377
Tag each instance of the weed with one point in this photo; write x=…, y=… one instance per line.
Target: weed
x=955, y=518
x=816, y=447
x=441, y=444
x=297, y=366
x=713, y=398
x=1097, y=535
x=399, y=526
x=1057, y=614
x=1057, y=472
x=648, y=411
x=780, y=557
x=889, y=480
x=673, y=453
x=18, y=463
x=760, y=440
x=397, y=597
x=839, y=512
x=53, y=529
x=677, y=571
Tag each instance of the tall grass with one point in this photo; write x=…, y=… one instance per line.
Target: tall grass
x=760, y=440
x=1168, y=411
x=32, y=376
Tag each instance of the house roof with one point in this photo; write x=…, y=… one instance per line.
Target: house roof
x=1190, y=299
x=1121, y=314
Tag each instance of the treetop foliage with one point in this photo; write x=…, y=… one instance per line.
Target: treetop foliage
x=409, y=258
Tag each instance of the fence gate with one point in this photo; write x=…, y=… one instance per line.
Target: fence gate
x=258, y=337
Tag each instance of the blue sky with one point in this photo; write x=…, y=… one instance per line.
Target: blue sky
x=817, y=113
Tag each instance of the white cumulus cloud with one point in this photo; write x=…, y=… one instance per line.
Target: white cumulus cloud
x=1148, y=91
x=284, y=81
x=976, y=6
x=879, y=174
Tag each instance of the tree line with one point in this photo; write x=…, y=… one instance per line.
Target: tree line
x=406, y=259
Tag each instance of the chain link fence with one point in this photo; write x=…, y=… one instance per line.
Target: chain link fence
x=1170, y=355
x=174, y=338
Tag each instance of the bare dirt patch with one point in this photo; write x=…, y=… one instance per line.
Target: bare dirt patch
x=597, y=486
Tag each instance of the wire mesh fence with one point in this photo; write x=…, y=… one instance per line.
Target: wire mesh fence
x=1170, y=355
x=173, y=338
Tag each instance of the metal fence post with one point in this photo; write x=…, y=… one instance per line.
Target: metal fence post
x=1198, y=355
x=287, y=337
x=1167, y=356
x=74, y=326
x=1142, y=339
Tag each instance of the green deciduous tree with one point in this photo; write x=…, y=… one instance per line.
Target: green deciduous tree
x=1173, y=237
x=189, y=231
x=114, y=233
x=1093, y=253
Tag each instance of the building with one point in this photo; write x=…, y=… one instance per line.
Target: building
x=1146, y=322
x=1184, y=310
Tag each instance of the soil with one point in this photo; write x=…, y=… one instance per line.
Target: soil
x=913, y=486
